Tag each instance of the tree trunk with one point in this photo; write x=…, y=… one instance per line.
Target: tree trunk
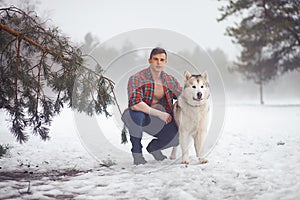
x=261, y=93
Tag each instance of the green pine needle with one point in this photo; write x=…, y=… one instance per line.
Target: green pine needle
x=123, y=135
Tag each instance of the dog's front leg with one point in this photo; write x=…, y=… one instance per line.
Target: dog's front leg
x=184, y=140
x=198, y=141
x=173, y=153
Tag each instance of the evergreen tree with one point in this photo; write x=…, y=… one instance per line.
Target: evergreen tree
x=269, y=34
x=40, y=72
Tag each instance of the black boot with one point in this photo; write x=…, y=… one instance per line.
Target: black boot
x=138, y=159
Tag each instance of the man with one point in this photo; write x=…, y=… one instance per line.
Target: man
x=150, y=99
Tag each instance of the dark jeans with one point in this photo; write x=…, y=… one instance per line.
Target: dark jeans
x=166, y=135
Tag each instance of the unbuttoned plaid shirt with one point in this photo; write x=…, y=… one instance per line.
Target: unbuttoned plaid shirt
x=141, y=88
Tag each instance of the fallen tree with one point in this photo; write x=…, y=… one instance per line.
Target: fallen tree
x=41, y=72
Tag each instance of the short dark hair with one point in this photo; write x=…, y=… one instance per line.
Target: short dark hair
x=157, y=50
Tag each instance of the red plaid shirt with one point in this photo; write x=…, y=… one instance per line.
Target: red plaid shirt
x=141, y=88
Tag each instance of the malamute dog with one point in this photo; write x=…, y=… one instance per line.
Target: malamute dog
x=191, y=113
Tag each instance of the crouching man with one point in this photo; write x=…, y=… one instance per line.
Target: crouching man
x=151, y=93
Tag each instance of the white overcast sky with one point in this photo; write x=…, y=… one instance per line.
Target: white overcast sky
x=195, y=19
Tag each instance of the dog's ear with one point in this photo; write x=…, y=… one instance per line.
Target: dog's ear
x=187, y=75
x=205, y=76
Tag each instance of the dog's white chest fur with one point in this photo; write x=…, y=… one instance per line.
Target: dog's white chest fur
x=192, y=119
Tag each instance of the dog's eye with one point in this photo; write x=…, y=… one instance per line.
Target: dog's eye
x=193, y=86
x=202, y=86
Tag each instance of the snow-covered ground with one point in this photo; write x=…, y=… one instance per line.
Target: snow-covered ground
x=257, y=157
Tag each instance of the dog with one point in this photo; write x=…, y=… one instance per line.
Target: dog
x=191, y=114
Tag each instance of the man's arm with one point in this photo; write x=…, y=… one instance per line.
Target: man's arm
x=143, y=107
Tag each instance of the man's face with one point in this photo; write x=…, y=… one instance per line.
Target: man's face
x=158, y=62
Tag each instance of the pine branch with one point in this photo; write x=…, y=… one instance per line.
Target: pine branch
x=17, y=71
x=23, y=80
x=44, y=49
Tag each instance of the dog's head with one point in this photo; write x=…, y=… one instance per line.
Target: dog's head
x=196, y=88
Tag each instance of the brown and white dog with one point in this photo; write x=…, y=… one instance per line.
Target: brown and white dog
x=191, y=113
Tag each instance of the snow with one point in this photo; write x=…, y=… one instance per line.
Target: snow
x=257, y=157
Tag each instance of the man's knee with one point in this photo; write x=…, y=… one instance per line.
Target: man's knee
x=134, y=121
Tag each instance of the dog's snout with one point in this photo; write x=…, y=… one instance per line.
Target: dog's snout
x=199, y=95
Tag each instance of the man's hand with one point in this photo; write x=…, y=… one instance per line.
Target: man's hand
x=166, y=117
x=143, y=107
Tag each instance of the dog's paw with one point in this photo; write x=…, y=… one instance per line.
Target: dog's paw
x=203, y=160
x=186, y=162
x=172, y=157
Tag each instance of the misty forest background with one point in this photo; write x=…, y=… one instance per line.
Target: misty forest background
x=282, y=89
x=40, y=67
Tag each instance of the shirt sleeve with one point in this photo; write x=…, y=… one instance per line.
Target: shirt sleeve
x=135, y=91
x=177, y=89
